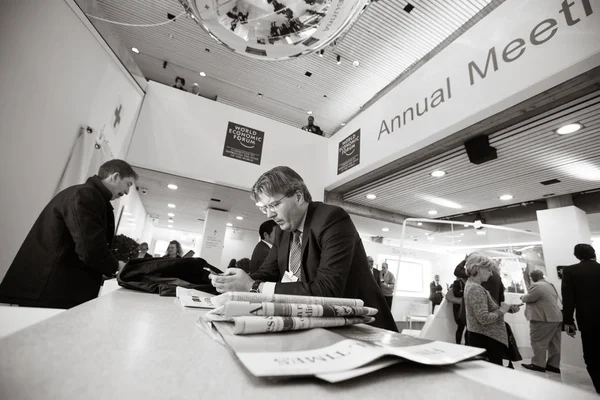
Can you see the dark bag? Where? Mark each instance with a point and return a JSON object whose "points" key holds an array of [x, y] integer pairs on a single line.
{"points": [[513, 353], [163, 275]]}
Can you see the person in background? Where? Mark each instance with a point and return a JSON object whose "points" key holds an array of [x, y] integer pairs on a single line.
{"points": [[388, 282], [458, 289], [243, 264], [63, 259], [174, 250], [195, 89], [316, 252], [311, 127], [376, 273], [179, 83], [232, 263], [144, 251], [485, 318], [545, 324], [580, 290], [262, 248], [435, 293]]}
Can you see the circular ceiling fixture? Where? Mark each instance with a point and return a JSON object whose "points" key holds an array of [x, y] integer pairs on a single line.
{"points": [[371, 196], [277, 29], [432, 212], [570, 128], [506, 197], [172, 186], [385, 229], [438, 173]]}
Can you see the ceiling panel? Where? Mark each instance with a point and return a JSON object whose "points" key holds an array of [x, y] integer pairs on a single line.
{"points": [[528, 153], [386, 40]]}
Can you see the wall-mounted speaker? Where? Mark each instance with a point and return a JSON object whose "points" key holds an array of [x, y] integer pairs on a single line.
{"points": [[479, 150]]}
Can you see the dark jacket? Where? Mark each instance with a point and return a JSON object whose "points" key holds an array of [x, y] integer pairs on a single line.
{"points": [[61, 262], [580, 288], [259, 255], [377, 276], [334, 262]]}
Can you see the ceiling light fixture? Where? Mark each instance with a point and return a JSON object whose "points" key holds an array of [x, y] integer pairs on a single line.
{"points": [[309, 112], [506, 197], [135, 50], [569, 128], [462, 234], [239, 217], [171, 205], [343, 124], [202, 73], [385, 229], [356, 63], [432, 212], [172, 186], [339, 60], [438, 173], [171, 215], [229, 224], [431, 238], [466, 225], [371, 196], [419, 224]]}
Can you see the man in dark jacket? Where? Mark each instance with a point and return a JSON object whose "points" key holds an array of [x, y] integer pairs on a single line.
{"points": [[61, 262], [262, 248], [317, 251], [580, 286]]}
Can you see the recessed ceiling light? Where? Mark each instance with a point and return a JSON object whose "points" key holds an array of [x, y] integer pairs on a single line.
{"points": [[356, 63], [481, 232], [135, 50], [506, 197], [258, 204], [438, 173], [239, 217], [462, 234], [309, 112], [385, 229], [171, 215], [171, 205], [466, 225], [229, 224], [371, 196], [570, 128], [432, 212], [343, 124], [430, 238], [203, 73], [170, 226], [419, 223], [172, 186]]}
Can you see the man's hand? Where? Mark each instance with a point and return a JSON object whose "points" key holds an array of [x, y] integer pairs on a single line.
{"points": [[571, 330], [234, 280]]}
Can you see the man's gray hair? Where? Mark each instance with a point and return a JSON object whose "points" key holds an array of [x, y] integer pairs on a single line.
{"points": [[476, 262], [536, 275], [280, 180]]}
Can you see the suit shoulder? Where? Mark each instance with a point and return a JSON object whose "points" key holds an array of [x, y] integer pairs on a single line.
{"points": [[328, 210]]}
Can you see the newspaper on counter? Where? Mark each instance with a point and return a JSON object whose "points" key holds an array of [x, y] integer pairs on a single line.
{"points": [[250, 325], [335, 354], [245, 308], [197, 299]]}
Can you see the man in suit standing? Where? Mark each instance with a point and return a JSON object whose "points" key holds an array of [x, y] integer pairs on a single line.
{"points": [[435, 293], [262, 248], [388, 282], [376, 273], [317, 251], [545, 324], [580, 288], [67, 251]]}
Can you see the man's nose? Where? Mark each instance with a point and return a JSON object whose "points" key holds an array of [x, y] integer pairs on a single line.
{"points": [[271, 213], [127, 190]]}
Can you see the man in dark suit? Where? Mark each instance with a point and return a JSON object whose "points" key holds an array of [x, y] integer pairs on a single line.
{"points": [[63, 258], [376, 273], [262, 248], [317, 251], [580, 288]]}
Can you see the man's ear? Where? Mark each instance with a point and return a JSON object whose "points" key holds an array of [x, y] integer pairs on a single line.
{"points": [[114, 177]]}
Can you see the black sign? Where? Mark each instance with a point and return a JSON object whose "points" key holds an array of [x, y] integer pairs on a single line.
{"points": [[243, 143], [349, 152]]}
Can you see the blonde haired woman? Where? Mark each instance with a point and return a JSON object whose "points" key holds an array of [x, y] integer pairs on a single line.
{"points": [[485, 318]]}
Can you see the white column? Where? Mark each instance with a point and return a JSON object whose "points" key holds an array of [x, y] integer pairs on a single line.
{"points": [[561, 229], [213, 237]]}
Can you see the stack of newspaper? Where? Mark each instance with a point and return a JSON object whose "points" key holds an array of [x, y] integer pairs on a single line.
{"points": [[261, 313]]}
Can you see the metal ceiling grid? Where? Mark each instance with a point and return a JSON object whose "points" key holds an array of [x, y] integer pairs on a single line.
{"points": [[528, 153], [386, 41]]}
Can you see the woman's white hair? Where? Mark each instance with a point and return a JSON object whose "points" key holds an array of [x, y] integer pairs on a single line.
{"points": [[477, 261]]}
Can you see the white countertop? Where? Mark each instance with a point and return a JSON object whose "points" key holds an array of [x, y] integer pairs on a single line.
{"points": [[132, 345]]}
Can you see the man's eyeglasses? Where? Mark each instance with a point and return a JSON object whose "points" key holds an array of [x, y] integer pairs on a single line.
{"points": [[272, 206]]}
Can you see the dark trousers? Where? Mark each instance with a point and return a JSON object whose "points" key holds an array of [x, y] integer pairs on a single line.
{"points": [[591, 354], [460, 324], [389, 299], [494, 350]]}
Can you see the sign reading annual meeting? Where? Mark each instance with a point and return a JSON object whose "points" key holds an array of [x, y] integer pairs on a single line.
{"points": [[349, 152], [243, 143]]}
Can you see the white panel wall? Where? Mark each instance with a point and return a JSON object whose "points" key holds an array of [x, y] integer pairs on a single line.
{"points": [[182, 134], [55, 75], [238, 244]]}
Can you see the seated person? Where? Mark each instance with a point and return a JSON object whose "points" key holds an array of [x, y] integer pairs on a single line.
{"points": [[262, 248], [317, 251], [174, 250]]}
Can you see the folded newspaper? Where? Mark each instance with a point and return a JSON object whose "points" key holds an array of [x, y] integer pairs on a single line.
{"points": [[335, 354]]}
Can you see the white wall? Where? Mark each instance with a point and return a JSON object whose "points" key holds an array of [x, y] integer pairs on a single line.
{"points": [[571, 51], [55, 76], [239, 243], [182, 134], [134, 218]]}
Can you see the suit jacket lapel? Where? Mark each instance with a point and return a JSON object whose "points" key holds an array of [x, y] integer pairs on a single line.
{"points": [[306, 233]]}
